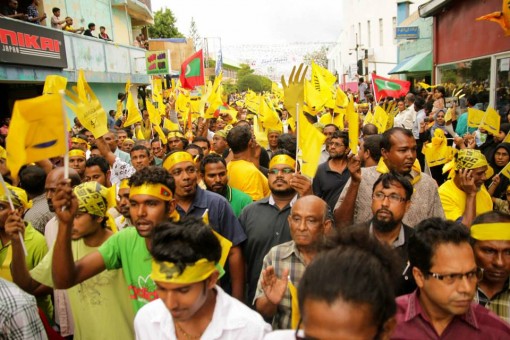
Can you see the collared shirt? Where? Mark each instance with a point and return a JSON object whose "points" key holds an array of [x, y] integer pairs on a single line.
{"points": [[237, 199], [265, 226], [477, 323], [420, 117], [245, 176], [121, 222], [400, 240], [425, 201], [324, 154], [328, 183], [499, 303], [231, 319], [19, 317], [283, 256], [406, 118], [39, 214]]}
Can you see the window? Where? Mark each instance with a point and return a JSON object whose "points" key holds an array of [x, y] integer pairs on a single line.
{"points": [[359, 34], [381, 33], [369, 40], [394, 29]]}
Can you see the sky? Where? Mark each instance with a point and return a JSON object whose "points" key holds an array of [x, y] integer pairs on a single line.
{"points": [[258, 22]]}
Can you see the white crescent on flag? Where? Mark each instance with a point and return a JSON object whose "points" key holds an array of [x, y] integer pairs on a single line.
{"points": [[188, 70]]}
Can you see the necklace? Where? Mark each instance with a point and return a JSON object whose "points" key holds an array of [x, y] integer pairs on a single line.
{"points": [[186, 335]]}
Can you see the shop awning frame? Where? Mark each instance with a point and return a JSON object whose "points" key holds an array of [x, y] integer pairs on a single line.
{"points": [[421, 62]]}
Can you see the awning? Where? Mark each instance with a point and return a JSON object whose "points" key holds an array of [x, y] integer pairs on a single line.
{"points": [[422, 62]]}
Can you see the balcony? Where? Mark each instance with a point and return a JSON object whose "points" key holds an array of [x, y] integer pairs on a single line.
{"points": [[140, 11]]}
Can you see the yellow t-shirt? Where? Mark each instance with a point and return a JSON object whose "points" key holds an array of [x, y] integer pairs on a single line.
{"points": [[454, 200], [244, 176], [100, 305]]}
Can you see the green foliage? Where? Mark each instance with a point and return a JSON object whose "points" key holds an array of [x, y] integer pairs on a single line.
{"points": [[244, 71], [164, 25], [319, 57], [254, 82]]}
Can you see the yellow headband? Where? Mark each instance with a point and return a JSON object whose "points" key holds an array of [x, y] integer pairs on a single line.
{"points": [[19, 197], [269, 131], [128, 140], [157, 190], [491, 231], [282, 159], [77, 153], [176, 158], [92, 198], [78, 140], [124, 184], [3, 153], [168, 272], [175, 134], [221, 133], [470, 159]]}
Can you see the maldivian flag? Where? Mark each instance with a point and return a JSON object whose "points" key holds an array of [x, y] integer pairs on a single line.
{"points": [[192, 71], [385, 87], [475, 117], [491, 121], [38, 131], [506, 171], [309, 143]]}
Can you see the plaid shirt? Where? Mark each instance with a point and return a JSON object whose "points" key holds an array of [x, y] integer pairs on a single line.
{"points": [[19, 318], [285, 255], [499, 304]]}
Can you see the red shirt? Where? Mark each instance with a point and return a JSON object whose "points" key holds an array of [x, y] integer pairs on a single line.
{"points": [[477, 323]]}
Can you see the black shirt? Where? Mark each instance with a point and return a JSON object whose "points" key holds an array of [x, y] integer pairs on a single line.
{"points": [[328, 184]]}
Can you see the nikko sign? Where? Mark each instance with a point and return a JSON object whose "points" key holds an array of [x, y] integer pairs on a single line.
{"points": [[29, 44]]}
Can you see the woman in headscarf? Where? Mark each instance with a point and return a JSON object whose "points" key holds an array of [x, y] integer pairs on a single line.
{"points": [[498, 161]]}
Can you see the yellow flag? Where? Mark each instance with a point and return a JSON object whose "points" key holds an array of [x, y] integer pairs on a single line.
{"points": [[323, 75], [252, 101], [37, 131], [341, 100], [215, 97], [120, 108], [380, 119], [338, 119], [353, 121], [369, 118], [507, 138], [310, 141], [53, 84], [182, 104], [437, 152], [133, 115], [295, 315], [506, 171], [87, 107], [278, 92], [268, 116], [157, 89], [314, 99], [155, 119], [491, 121], [260, 134], [139, 133], [170, 126], [427, 86], [475, 117]]}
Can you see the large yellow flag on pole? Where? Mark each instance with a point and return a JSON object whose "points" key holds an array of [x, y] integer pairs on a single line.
{"points": [[310, 141], [155, 119], [37, 131], [133, 115]]}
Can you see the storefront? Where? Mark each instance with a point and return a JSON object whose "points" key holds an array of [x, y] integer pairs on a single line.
{"points": [[474, 55]]}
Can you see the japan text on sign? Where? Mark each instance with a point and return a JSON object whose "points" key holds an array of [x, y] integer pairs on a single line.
{"points": [[158, 62], [409, 32], [27, 44]]}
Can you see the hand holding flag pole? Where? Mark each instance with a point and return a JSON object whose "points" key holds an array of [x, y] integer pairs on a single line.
{"points": [[8, 194]]}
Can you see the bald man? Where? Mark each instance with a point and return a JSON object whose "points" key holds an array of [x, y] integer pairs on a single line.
{"points": [[308, 222]]}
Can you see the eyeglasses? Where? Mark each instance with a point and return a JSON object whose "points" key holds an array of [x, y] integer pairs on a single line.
{"points": [[394, 198], [474, 275], [338, 145], [285, 171]]}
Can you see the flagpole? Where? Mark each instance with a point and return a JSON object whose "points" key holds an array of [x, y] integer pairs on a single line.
{"points": [[66, 134], [373, 89], [499, 173], [297, 137], [8, 194]]}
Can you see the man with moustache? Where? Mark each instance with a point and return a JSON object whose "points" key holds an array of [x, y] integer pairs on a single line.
{"points": [[124, 220]]}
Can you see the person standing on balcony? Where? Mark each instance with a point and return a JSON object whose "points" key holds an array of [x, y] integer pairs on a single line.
{"points": [[69, 26], [102, 34], [56, 23], [33, 13], [11, 11], [88, 32]]}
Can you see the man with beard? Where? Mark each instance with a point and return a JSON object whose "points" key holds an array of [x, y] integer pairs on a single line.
{"points": [[266, 221], [124, 220], [391, 198], [77, 159], [332, 175], [328, 131], [214, 172], [151, 202], [191, 200], [398, 150]]}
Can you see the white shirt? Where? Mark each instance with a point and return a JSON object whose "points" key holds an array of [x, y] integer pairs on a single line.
{"points": [[405, 118], [231, 320]]}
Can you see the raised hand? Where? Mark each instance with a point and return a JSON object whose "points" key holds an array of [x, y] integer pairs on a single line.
{"points": [[294, 89], [65, 203], [302, 184], [354, 167], [274, 287], [14, 225]]}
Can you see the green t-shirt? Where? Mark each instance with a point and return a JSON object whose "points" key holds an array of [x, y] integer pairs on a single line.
{"points": [[237, 199], [100, 306], [36, 250], [127, 250]]}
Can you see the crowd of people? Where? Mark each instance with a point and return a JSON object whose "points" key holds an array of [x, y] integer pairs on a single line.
{"points": [[203, 233]]}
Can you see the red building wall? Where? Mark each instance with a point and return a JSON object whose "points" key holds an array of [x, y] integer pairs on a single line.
{"points": [[458, 36]]}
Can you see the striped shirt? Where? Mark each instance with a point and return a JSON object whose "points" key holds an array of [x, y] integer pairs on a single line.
{"points": [[283, 256], [499, 303]]}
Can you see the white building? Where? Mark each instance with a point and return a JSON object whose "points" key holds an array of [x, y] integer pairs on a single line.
{"points": [[368, 33]]}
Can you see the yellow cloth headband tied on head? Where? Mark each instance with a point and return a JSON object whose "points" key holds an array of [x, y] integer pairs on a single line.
{"points": [[221, 133], [269, 131], [470, 159], [78, 140], [124, 184], [77, 153], [282, 159], [156, 190], [19, 197], [176, 158], [129, 140], [499, 231], [175, 134], [92, 198], [170, 273]]}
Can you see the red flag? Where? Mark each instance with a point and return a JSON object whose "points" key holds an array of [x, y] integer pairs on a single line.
{"points": [[192, 71], [385, 87]]}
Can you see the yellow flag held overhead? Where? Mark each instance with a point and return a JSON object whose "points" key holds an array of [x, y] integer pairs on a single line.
{"points": [[506, 171], [215, 97], [260, 134], [278, 92], [427, 86], [133, 115], [182, 104], [507, 138], [37, 131], [314, 99], [475, 117], [87, 107], [369, 118], [118, 111], [268, 116], [53, 84], [491, 121], [155, 119], [353, 121], [380, 119], [252, 101], [323, 75], [338, 119], [341, 100], [437, 152], [310, 141]]}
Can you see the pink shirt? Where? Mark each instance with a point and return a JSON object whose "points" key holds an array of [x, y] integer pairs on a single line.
{"points": [[477, 323]]}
